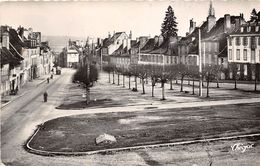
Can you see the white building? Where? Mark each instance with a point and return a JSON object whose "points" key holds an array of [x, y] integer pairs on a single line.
{"points": [[244, 50]]}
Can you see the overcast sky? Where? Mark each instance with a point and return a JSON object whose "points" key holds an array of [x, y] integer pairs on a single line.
{"points": [[97, 18]]}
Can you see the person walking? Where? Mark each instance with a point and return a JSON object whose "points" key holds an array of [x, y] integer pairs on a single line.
{"points": [[48, 80], [45, 96]]}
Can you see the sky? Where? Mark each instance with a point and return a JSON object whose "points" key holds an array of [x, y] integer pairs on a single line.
{"points": [[97, 18]]}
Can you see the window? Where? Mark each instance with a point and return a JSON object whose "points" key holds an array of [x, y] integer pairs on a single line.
{"points": [[245, 70], [257, 28], [253, 55], [238, 42], [245, 55], [238, 54], [253, 42], [230, 41], [245, 41], [248, 29], [230, 54]]}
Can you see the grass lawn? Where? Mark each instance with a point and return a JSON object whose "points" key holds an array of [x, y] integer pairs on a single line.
{"points": [[78, 133]]}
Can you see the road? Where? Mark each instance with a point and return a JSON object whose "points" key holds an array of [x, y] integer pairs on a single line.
{"points": [[19, 119]]}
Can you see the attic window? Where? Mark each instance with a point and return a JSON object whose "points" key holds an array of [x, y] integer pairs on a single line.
{"points": [[242, 29], [248, 29]]}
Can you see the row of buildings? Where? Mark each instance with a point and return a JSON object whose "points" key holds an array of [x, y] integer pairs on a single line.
{"points": [[24, 57], [229, 39]]}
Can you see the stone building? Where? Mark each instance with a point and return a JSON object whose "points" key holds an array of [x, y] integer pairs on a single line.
{"points": [[244, 50]]}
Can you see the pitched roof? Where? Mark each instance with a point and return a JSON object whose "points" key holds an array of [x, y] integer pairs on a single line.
{"points": [[8, 57], [149, 46], [108, 41]]}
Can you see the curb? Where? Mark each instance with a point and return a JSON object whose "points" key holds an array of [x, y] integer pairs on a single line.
{"points": [[14, 99], [111, 151]]}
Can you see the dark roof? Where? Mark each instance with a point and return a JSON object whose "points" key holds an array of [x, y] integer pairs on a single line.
{"points": [[245, 31], [108, 41], [120, 51], [8, 57], [149, 46]]}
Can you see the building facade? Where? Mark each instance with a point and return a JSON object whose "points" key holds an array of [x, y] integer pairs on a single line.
{"points": [[244, 50]]}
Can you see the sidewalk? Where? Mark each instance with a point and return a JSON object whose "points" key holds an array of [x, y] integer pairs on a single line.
{"points": [[5, 100]]}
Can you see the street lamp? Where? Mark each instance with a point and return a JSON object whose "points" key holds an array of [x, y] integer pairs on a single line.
{"points": [[200, 64]]}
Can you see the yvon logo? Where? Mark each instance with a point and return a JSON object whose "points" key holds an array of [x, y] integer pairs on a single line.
{"points": [[241, 147]]}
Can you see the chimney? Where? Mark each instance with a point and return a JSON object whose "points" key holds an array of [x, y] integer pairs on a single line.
{"points": [[237, 23], [130, 35], [156, 40], [160, 41], [241, 15], [192, 25], [109, 35], [227, 23], [5, 37]]}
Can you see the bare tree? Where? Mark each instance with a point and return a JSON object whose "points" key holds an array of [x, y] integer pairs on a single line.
{"points": [[234, 69], [153, 74], [254, 70], [210, 72], [142, 74], [172, 71], [135, 73], [162, 78], [183, 71], [193, 73], [108, 69]]}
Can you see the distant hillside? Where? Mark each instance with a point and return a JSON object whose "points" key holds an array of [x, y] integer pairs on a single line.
{"points": [[57, 43]]}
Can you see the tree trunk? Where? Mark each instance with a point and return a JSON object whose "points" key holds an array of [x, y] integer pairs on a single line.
{"points": [[163, 97], [118, 79], [153, 90], [140, 80], [109, 77], [256, 82], [113, 77], [217, 83], [176, 81], [182, 84], [171, 88], [235, 83], [146, 81], [188, 81], [207, 88], [87, 95], [143, 85], [129, 83], [123, 80], [135, 82], [193, 86]]}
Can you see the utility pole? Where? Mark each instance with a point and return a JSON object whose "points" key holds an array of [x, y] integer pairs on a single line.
{"points": [[200, 65], [101, 60]]}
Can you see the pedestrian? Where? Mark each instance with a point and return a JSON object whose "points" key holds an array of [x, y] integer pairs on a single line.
{"points": [[48, 80], [51, 76], [45, 96]]}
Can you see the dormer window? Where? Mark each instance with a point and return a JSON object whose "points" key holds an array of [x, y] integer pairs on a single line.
{"points": [[257, 28], [242, 29], [248, 29]]}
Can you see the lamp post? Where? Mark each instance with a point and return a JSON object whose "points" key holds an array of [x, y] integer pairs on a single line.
{"points": [[200, 65]]}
